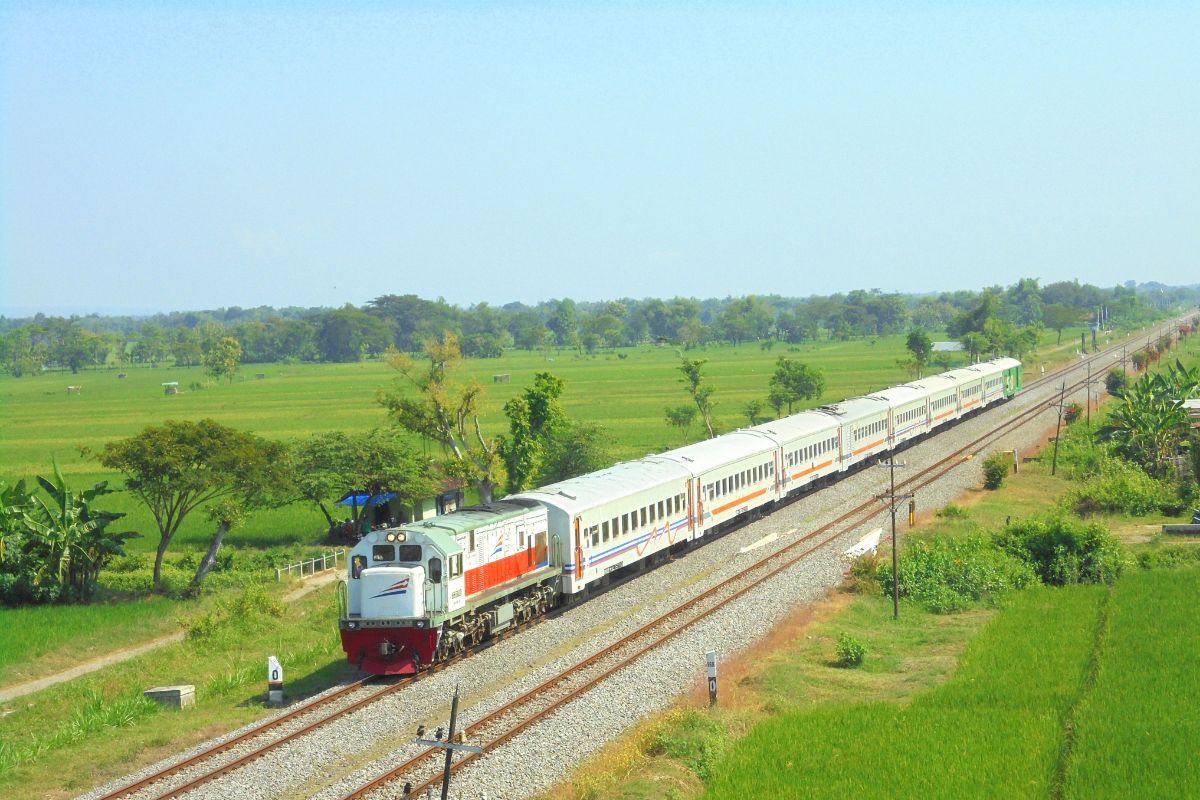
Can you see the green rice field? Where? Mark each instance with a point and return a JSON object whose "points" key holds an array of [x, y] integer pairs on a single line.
{"points": [[1138, 730], [994, 730]]}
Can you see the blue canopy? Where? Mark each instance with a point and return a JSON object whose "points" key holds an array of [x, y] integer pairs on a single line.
{"points": [[364, 499]]}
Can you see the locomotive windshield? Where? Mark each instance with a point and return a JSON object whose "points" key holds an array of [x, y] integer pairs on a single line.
{"points": [[409, 552], [388, 552]]}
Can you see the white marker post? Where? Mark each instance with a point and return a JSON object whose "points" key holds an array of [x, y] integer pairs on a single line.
{"points": [[274, 682], [710, 657]]}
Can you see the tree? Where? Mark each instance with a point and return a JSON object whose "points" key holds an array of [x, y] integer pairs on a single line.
{"points": [[1057, 317], [753, 409], [975, 343], [1150, 425], [920, 345], [793, 382], [681, 417], [179, 466], [534, 419], [701, 392], [325, 466], [221, 360], [441, 411], [576, 449], [54, 544]]}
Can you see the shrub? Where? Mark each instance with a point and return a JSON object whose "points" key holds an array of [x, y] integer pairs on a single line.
{"points": [[946, 575], [1139, 360], [953, 511], [692, 738], [1063, 550], [248, 609], [1072, 412], [850, 651], [1115, 382], [995, 469], [863, 577], [1119, 487]]}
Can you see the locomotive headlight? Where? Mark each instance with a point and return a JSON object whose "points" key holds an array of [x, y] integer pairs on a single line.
{"points": [[391, 537], [401, 536], [352, 625]]}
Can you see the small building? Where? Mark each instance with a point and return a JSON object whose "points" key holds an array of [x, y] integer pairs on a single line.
{"points": [[388, 509], [171, 387]]}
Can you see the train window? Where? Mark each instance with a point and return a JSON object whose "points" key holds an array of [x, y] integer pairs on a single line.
{"points": [[383, 552], [521, 539], [455, 565], [643, 516], [435, 570], [604, 531], [471, 541], [661, 512], [624, 523], [595, 532], [357, 565], [410, 553]]}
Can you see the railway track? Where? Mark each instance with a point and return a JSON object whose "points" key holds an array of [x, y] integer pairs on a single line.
{"points": [[423, 770]]}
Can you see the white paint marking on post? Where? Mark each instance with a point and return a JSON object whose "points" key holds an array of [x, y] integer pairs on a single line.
{"points": [[274, 681]]}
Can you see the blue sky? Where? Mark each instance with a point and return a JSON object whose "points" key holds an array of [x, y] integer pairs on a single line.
{"points": [[178, 156]]}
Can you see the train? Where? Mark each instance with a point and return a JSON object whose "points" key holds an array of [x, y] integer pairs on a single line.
{"points": [[419, 593]]}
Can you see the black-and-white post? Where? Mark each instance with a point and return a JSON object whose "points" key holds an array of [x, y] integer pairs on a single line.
{"points": [[893, 501], [274, 682], [448, 744]]}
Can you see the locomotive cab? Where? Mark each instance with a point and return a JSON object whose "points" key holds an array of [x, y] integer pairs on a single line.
{"points": [[401, 583]]}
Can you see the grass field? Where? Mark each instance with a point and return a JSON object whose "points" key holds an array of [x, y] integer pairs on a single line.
{"points": [[61, 742], [1136, 732], [41, 640], [994, 730]]}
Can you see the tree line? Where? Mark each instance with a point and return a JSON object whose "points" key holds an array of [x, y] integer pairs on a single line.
{"points": [[407, 322]]}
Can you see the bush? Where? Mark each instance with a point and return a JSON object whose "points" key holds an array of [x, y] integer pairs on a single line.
{"points": [[1072, 412], [995, 469], [953, 511], [850, 651], [863, 577], [946, 575], [1118, 487], [249, 609], [692, 738], [1115, 382], [1063, 550]]}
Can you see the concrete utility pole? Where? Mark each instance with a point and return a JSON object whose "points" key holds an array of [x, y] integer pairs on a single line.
{"points": [[1058, 428], [449, 745], [894, 500]]}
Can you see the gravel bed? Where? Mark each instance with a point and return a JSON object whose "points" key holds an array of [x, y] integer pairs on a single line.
{"points": [[348, 753]]}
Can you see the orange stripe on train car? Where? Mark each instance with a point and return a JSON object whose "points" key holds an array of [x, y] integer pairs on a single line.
{"points": [[869, 446], [945, 414], [804, 472], [730, 505]]}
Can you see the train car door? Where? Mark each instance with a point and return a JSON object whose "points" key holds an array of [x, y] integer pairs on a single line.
{"points": [[691, 505]]}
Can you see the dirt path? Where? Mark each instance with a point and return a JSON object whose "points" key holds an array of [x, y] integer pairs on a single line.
{"points": [[29, 687]]}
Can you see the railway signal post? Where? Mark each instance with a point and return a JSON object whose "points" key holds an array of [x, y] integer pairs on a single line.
{"points": [[894, 501], [449, 745]]}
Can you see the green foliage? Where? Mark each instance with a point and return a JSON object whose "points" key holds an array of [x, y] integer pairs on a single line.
{"points": [[863, 575], [692, 738], [326, 466], [179, 466], [1072, 412], [700, 391], [793, 382], [1115, 382], [949, 574], [576, 449], [222, 358], [535, 418], [681, 417], [1119, 487], [850, 651], [953, 511], [921, 346], [1063, 550], [1150, 425], [1168, 556], [995, 469], [53, 543]]}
